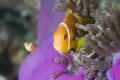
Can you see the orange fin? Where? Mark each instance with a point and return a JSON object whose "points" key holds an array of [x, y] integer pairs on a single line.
{"points": [[53, 28]]}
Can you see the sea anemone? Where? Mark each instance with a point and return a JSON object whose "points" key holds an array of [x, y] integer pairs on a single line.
{"points": [[95, 57], [103, 39], [81, 7], [39, 64], [102, 43]]}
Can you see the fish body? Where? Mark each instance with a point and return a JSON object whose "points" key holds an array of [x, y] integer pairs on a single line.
{"points": [[30, 46], [65, 35]]}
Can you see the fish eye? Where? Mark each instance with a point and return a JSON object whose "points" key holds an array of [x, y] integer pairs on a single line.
{"points": [[65, 36]]}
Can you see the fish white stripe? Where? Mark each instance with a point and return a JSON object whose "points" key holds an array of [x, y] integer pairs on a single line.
{"points": [[29, 45], [68, 34]]}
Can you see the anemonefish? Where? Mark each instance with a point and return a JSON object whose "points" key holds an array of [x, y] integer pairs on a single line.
{"points": [[30, 46], [65, 35]]}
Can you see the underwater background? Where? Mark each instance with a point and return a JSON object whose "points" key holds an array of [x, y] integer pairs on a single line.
{"points": [[18, 24]]}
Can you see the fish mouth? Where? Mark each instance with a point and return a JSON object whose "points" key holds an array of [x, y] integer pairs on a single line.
{"points": [[58, 47]]}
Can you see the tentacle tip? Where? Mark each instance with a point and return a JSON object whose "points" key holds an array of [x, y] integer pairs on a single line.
{"points": [[55, 60], [53, 9], [51, 77], [62, 53]]}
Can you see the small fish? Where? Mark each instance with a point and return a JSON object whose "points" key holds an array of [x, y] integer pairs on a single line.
{"points": [[65, 35], [30, 46]]}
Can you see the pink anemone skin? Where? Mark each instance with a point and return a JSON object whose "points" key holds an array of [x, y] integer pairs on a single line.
{"points": [[114, 72]]}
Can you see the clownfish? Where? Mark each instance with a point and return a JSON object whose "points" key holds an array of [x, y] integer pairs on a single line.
{"points": [[65, 36], [30, 46]]}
